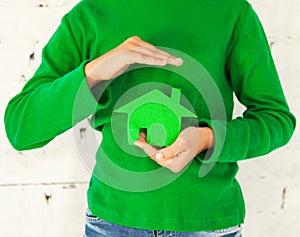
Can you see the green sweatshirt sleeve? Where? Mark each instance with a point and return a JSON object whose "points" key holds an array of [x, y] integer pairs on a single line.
{"points": [[267, 122], [55, 98]]}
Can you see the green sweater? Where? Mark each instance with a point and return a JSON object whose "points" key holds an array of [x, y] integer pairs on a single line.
{"points": [[127, 188]]}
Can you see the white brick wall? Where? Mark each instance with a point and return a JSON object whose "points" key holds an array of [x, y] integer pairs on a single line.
{"points": [[271, 184]]}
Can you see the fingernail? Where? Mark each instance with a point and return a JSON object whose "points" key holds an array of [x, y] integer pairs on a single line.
{"points": [[159, 156], [137, 143], [179, 61]]}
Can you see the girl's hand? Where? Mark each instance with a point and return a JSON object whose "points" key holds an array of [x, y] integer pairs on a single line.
{"points": [[190, 142], [131, 51]]}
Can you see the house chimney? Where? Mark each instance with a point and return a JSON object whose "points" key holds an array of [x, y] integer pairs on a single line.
{"points": [[175, 95]]}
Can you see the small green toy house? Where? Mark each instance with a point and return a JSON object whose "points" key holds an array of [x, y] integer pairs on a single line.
{"points": [[156, 114]]}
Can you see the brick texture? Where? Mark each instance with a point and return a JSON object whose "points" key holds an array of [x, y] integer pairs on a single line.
{"points": [[43, 192]]}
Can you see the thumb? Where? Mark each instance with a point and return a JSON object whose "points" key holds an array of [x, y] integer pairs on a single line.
{"points": [[148, 149], [169, 152]]}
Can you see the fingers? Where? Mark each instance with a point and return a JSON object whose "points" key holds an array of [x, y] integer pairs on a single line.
{"points": [[166, 153], [136, 57], [176, 156], [145, 53], [148, 149], [147, 58], [152, 152], [143, 137], [171, 151], [152, 51], [131, 51], [170, 157]]}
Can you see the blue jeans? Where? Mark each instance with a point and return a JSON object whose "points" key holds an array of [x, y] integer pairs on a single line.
{"points": [[96, 227]]}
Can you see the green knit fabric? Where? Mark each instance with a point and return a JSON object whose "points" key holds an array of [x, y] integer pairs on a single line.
{"points": [[227, 39]]}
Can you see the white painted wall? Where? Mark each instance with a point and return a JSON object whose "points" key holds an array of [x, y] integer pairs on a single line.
{"points": [[26, 178]]}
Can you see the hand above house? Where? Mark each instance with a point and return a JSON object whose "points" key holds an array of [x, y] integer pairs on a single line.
{"points": [[190, 142], [131, 51]]}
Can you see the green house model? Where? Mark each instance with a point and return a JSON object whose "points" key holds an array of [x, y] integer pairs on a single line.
{"points": [[158, 115]]}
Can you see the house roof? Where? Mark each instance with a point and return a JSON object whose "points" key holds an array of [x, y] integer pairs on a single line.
{"points": [[157, 97]]}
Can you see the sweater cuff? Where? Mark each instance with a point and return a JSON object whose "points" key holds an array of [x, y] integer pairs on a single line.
{"points": [[88, 101], [213, 154]]}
